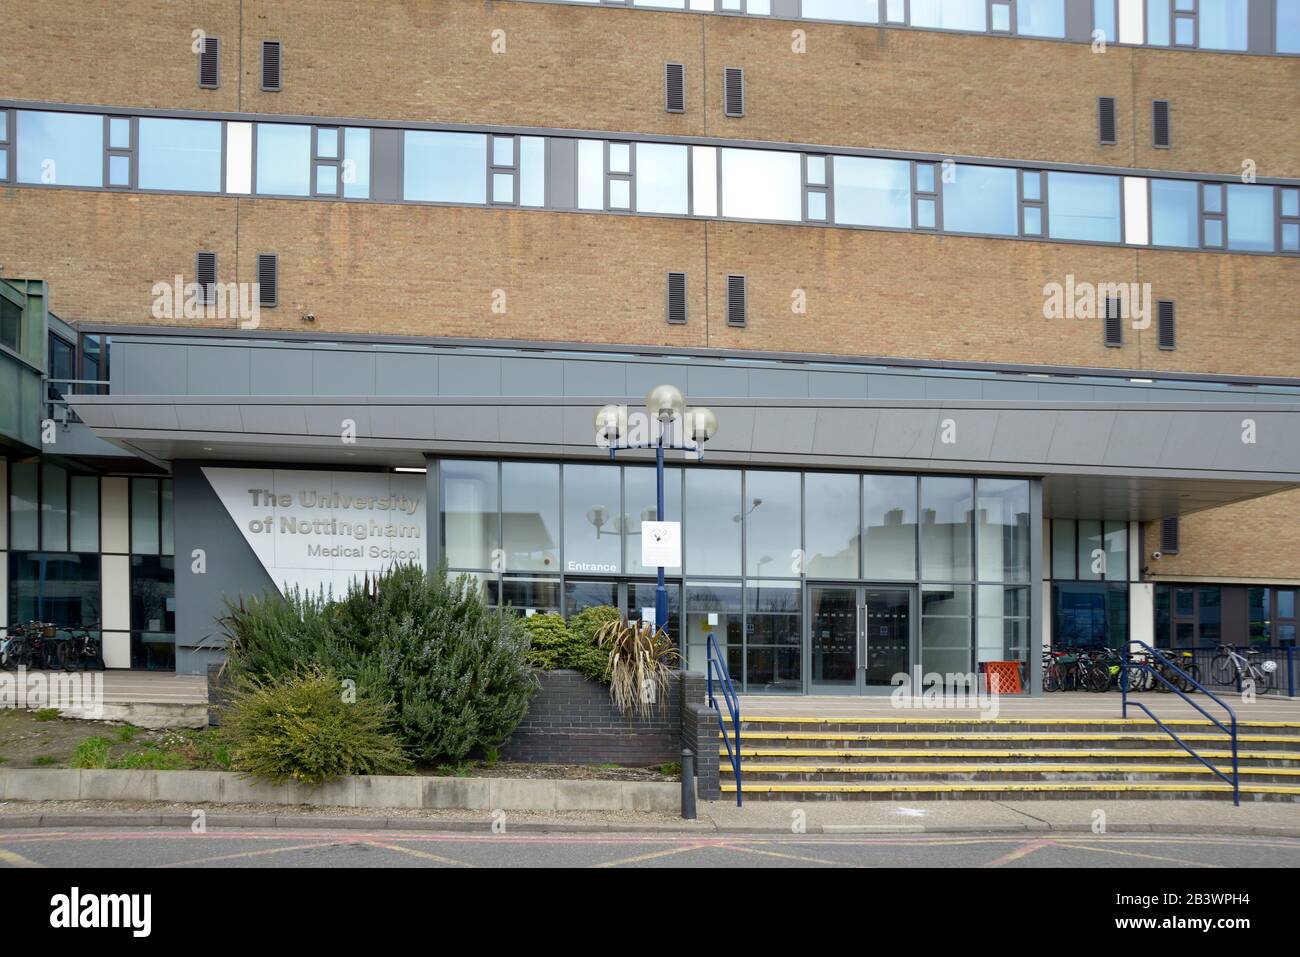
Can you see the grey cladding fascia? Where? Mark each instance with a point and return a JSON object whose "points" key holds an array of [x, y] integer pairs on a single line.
{"points": [[562, 173], [1078, 22], [1260, 26], [387, 164]]}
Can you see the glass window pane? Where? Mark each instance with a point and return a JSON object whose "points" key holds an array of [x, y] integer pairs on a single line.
{"points": [[1003, 624], [4, 125], [1103, 19], [713, 609], [592, 522], [153, 612], [1092, 555], [1184, 31], [4, 164], [63, 149], [1116, 544], [356, 163], [83, 510], [772, 524], [761, 184], [712, 527], [661, 178], [889, 523], [946, 505], [580, 595], [925, 177], [1031, 184], [1285, 603], [945, 629], [620, 194], [327, 180], [981, 199], [873, 192], [1040, 18], [144, 516], [817, 206], [1158, 22], [1223, 24], [1001, 22], [119, 171], [831, 533], [1212, 197], [119, 133], [503, 151], [1291, 237], [773, 637], [950, 14], [54, 508], [59, 587], [468, 512], [532, 171], [853, 11], [1214, 233], [1003, 533], [1173, 213], [530, 515], [445, 167], [531, 596], [503, 187], [283, 159], [620, 157], [1063, 548], [1288, 26], [640, 500], [1291, 202], [641, 606], [925, 214], [591, 174], [186, 154], [816, 166], [1033, 221], [1250, 218], [1083, 206], [24, 505], [327, 142]]}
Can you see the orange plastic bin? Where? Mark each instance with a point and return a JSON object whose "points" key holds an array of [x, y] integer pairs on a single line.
{"points": [[1007, 676]]}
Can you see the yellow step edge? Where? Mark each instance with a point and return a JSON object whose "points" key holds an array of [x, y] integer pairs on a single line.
{"points": [[1009, 786], [999, 736], [996, 768], [1147, 753], [975, 719]]}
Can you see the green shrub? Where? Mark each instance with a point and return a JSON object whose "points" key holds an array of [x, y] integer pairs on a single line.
{"points": [[549, 641], [91, 753], [588, 656], [454, 668], [303, 728]]}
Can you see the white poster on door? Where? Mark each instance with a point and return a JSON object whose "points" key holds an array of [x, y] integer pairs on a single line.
{"points": [[323, 530], [661, 544]]}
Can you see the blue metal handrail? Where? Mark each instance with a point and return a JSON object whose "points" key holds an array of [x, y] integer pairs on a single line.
{"points": [[733, 708], [1235, 780]]}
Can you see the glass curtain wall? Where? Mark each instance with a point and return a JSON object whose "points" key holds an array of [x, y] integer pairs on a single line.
{"points": [[544, 536]]}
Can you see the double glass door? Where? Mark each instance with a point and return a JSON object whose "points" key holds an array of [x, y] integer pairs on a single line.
{"points": [[860, 637]]}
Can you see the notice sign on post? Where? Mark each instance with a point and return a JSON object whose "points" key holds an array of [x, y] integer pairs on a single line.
{"points": [[661, 544]]}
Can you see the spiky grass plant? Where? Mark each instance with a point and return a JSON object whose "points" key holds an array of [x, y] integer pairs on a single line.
{"points": [[640, 660]]}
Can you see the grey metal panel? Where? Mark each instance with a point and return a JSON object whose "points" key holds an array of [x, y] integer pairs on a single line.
{"points": [[906, 433], [1022, 390], [1137, 438], [778, 383], [941, 389], [79, 440], [974, 430], [1022, 436], [1191, 441], [343, 373], [403, 421], [1064, 392], [159, 416], [535, 377], [331, 421], [718, 382], [845, 431], [152, 369], [533, 425], [386, 151], [735, 432], [644, 376], [274, 419], [578, 423], [785, 431], [836, 385], [1080, 437], [895, 386], [469, 375], [209, 418], [1078, 23], [562, 176], [786, 9], [218, 370], [597, 379], [406, 373], [1259, 26], [281, 372], [467, 423]]}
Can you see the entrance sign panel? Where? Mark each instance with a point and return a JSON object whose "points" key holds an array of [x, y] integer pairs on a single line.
{"points": [[323, 530]]}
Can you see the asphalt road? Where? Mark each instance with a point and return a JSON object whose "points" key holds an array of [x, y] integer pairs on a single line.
{"points": [[284, 847]]}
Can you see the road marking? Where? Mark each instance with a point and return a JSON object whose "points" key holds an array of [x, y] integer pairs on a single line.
{"points": [[17, 860], [791, 857], [651, 856], [241, 854], [1023, 851], [424, 855], [1149, 857]]}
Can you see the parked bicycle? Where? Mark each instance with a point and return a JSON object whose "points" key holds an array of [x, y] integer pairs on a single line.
{"points": [[1184, 677], [81, 649], [1231, 667], [29, 645]]}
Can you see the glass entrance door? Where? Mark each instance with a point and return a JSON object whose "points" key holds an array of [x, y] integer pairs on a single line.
{"points": [[860, 636]]}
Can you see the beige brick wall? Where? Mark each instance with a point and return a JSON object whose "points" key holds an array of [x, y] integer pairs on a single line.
{"points": [[572, 67], [1258, 540]]}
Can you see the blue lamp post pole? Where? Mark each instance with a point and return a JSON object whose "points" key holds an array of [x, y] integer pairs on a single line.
{"points": [[665, 405]]}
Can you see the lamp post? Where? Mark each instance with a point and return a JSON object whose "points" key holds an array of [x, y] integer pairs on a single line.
{"points": [[665, 406]]}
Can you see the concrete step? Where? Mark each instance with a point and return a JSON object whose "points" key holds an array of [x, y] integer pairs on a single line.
{"points": [[868, 757], [1017, 790], [937, 741], [758, 774]]}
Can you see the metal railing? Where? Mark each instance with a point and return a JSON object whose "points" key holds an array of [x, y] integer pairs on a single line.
{"points": [[1159, 674], [733, 709], [56, 402]]}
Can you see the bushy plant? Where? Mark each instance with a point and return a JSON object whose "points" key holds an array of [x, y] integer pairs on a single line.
{"points": [[454, 668], [640, 660], [587, 655], [306, 728], [549, 641]]}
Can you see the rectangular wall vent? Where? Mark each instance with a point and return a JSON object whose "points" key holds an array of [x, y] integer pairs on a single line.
{"points": [[268, 279], [1169, 536], [674, 88], [271, 59], [737, 307], [734, 84], [1114, 323], [205, 274], [677, 297], [210, 63], [1160, 124], [1165, 323], [1106, 120]]}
